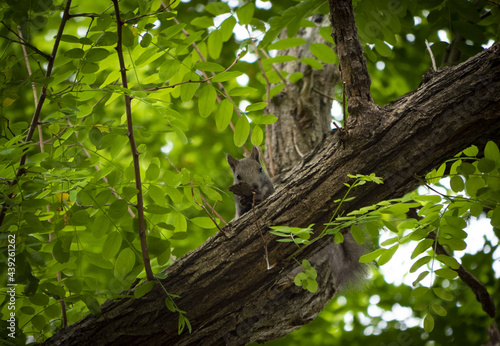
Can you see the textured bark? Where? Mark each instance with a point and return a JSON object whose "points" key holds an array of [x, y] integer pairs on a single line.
{"points": [[303, 108], [229, 296]]}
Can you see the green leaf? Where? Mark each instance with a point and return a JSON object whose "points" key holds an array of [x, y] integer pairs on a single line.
{"points": [[203, 222], [438, 309], [207, 100], [386, 256], [420, 262], [495, 217], [92, 304], [124, 263], [323, 53], [245, 13], [457, 183], [107, 39], [491, 152], [473, 184], [256, 106], [203, 22], [471, 151], [428, 323], [217, 8], [257, 135], [75, 53], [357, 234], [61, 252], [118, 209], [225, 76], [209, 66], [144, 289], [146, 40], [421, 247], [215, 44], [449, 261], [287, 43], [382, 48], [97, 54], [485, 165], [420, 277], [241, 131], [189, 89], [446, 273], [466, 168], [419, 291], [111, 245], [372, 255], [153, 172], [127, 36], [315, 64], [95, 136], [227, 27], [443, 293], [338, 238], [168, 69], [90, 67], [224, 114]]}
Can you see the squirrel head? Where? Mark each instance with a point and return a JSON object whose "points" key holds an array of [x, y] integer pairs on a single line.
{"points": [[248, 170]]}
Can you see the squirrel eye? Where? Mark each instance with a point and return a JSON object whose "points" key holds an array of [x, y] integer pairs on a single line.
{"points": [[238, 177], [260, 169]]}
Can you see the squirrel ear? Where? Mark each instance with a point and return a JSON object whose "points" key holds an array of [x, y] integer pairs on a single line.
{"points": [[232, 161], [255, 153]]}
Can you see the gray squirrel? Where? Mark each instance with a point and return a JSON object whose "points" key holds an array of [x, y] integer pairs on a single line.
{"points": [[249, 180]]}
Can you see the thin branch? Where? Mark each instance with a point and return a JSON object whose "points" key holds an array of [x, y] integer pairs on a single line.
{"points": [[23, 42], [470, 280], [135, 152]]}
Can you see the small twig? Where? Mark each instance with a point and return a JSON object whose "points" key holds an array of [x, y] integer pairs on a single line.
{"points": [[260, 232], [33, 86], [431, 55], [23, 42]]}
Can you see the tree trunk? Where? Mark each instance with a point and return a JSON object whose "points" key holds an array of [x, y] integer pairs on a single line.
{"points": [[303, 108], [228, 294]]}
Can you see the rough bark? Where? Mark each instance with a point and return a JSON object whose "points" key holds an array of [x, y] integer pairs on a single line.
{"points": [[303, 108], [229, 296]]}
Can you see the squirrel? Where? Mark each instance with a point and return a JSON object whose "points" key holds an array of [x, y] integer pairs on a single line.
{"points": [[251, 183]]}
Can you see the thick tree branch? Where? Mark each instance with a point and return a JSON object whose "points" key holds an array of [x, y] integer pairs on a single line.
{"points": [[224, 287], [133, 147]]}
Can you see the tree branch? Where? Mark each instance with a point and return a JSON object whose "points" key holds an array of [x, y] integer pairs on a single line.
{"points": [[133, 147]]}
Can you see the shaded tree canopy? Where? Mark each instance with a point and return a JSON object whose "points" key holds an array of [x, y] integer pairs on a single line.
{"points": [[115, 205]]}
